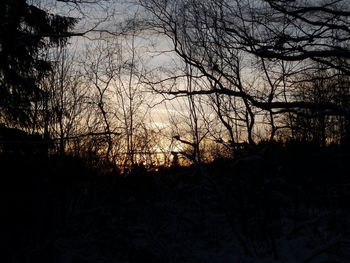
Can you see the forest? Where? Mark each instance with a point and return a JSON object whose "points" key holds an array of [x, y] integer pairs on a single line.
{"points": [[175, 131]]}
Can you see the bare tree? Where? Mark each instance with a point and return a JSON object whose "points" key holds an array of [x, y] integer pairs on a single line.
{"points": [[58, 113], [131, 97], [278, 38], [99, 71]]}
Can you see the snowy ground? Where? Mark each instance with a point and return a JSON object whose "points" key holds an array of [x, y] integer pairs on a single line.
{"points": [[243, 212]]}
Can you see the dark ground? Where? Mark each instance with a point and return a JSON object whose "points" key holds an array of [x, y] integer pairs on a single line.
{"points": [[272, 205]]}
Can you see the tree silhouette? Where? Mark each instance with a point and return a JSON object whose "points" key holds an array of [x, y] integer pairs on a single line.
{"points": [[25, 30], [254, 51]]}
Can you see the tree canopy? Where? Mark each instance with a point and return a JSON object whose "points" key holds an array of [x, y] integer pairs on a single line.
{"points": [[25, 30]]}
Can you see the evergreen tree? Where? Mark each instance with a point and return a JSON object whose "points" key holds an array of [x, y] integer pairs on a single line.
{"points": [[25, 30]]}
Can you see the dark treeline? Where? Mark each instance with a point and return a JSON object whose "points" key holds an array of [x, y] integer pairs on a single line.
{"points": [[287, 203], [251, 164]]}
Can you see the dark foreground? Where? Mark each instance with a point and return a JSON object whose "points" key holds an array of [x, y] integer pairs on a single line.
{"points": [[276, 205]]}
